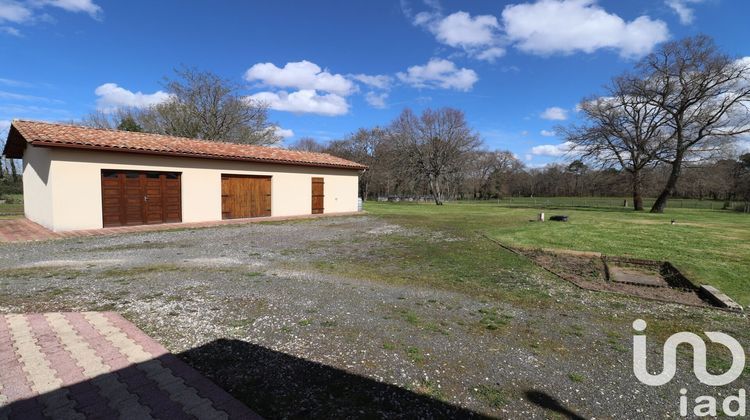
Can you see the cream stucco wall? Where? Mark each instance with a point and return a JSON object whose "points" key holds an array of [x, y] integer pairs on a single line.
{"points": [[75, 191], [37, 189]]}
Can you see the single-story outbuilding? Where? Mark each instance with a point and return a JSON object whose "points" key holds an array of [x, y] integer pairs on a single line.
{"points": [[86, 178]]}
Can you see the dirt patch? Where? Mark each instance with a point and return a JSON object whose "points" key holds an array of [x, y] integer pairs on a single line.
{"points": [[626, 277]]}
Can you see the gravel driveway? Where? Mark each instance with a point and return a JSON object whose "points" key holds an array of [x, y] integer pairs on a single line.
{"points": [[253, 308]]}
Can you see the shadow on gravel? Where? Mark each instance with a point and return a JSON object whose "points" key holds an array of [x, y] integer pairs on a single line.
{"points": [[272, 384], [277, 385], [548, 402]]}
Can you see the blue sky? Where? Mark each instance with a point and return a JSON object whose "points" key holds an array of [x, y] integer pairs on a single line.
{"points": [[516, 68]]}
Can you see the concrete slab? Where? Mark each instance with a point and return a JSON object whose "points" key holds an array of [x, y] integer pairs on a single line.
{"points": [[636, 276], [719, 298]]}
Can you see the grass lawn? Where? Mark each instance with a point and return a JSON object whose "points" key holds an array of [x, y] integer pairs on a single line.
{"points": [[13, 207], [606, 202], [711, 247]]}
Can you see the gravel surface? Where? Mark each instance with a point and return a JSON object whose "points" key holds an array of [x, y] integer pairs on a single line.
{"points": [[247, 306]]}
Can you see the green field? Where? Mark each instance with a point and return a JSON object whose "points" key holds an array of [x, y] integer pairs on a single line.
{"points": [[13, 206], [709, 246]]}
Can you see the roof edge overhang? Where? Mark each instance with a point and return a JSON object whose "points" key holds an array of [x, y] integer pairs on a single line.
{"points": [[38, 143], [15, 144]]}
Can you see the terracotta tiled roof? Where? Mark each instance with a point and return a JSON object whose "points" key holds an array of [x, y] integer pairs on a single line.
{"points": [[62, 135]]}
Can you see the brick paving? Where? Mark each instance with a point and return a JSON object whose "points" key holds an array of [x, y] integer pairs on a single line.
{"points": [[24, 230], [99, 365]]}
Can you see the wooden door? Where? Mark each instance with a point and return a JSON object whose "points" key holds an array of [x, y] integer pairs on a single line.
{"points": [[153, 197], [172, 197], [318, 195], [260, 200], [113, 204], [245, 196], [133, 199], [136, 198]]}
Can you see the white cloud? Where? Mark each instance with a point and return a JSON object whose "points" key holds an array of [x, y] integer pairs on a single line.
{"points": [[4, 126], [12, 11], [302, 75], [683, 10], [479, 36], [439, 73], [377, 100], [284, 133], [567, 26], [554, 113], [29, 12], [15, 83], [28, 98], [743, 62], [490, 54], [462, 30], [9, 30], [17, 12], [85, 6], [380, 81], [547, 133], [112, 96], [304, 101], [552, 150]]}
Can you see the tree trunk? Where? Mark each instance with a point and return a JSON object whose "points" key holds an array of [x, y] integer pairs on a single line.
{"points": [[13, 170], [637, 196], [661, 201], [437, 193]]}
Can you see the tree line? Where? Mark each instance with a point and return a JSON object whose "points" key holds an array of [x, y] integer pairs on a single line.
{"points": [[492, 174], [666, 128]]}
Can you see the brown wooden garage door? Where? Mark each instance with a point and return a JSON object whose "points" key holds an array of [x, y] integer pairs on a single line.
{"points": [[318, 195], [245, 196], [139, 198]]}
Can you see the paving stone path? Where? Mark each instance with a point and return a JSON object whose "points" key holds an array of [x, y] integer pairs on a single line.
{"points": [[22, 229], [82, 365]]}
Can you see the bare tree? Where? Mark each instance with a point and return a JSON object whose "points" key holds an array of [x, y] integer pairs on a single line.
{"points": [[363, 147], [202, 105], [622, 129], [486, 172], [578, 169], [101, 119], [308, 144], [435, 146], [705, 95]]}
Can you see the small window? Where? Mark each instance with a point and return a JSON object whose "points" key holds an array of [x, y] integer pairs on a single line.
{"points": [[173, 175], [152, 175], [109, 174], [132, 175]]}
